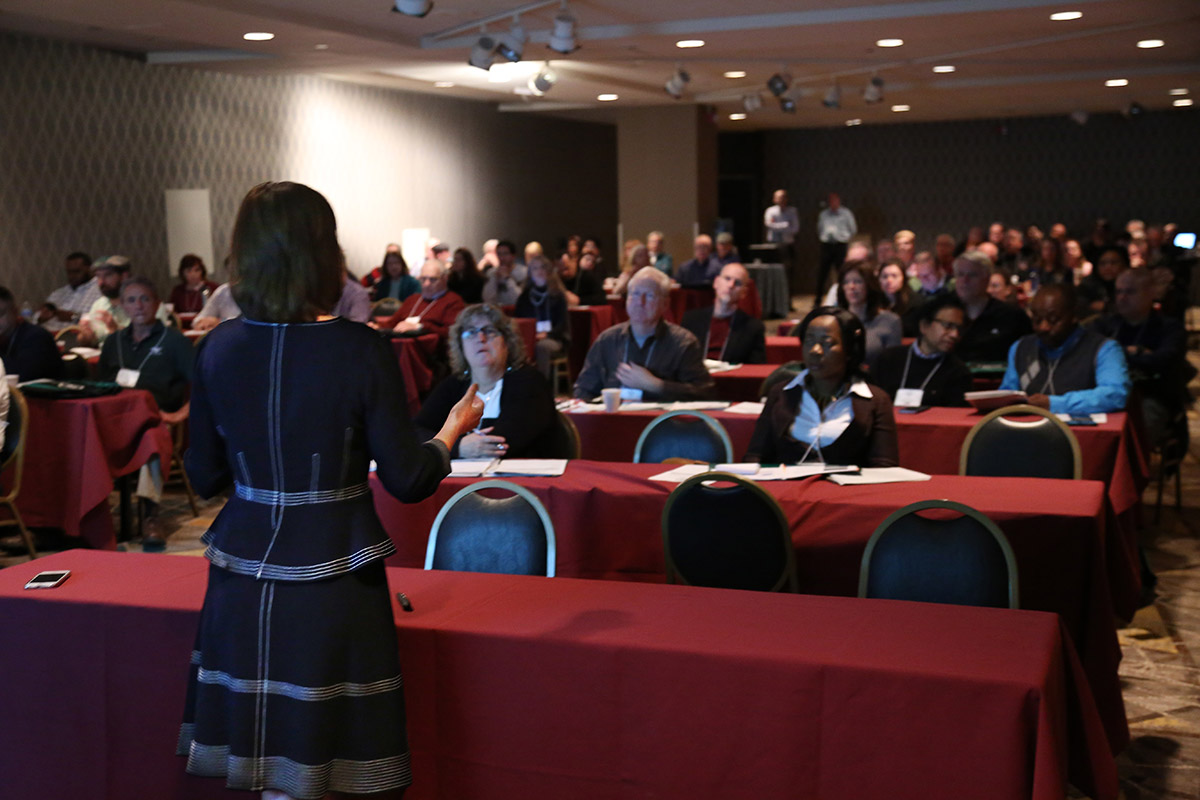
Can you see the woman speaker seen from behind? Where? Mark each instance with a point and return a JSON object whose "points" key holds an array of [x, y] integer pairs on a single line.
{"points": [[295, 687]]}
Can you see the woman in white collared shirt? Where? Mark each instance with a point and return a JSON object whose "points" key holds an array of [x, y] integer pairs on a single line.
{"points": [[828, 413]]}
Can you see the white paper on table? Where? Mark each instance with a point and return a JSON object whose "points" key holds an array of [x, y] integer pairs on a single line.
{"points": [[371, 468], [714, 366], [86, 352], [748, 408], [545, 467], [471, 467], [792, 472], [578, 407], [681, 473], [639, 406], [743, 468], [1099, 419], [873, 475], [697, 405]]}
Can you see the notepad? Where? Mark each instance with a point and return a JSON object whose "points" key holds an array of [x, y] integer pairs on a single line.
{"points": [[872, 475], [507, 467]]}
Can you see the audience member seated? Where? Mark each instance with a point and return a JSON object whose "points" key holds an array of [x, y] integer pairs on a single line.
{"points": [[106, 315], [726, 252], [194, 287], [503, 284], [220, 307], [1063, 367], [647, 357], [1073, 260], [1050, 266], [904, 244], [545, 300], [354, 303], [377, 272], [67, 304], [518, 406], [726, 332], [702, 267], [859, 292], [898, 296], [394, 279], [581, 281], [659, 258], [828, 413], [148, 355], [1014, 255], [943, 255], [992, 325], [465, 279], [927, 373], [928, 280], [27, 350], [1155, 351], [1001, 287], [1097, 292], [488, 261], [433, 310], [639, 256]]}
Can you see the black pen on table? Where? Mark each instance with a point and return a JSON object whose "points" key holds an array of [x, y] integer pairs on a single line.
{"points": [[405, 603]]}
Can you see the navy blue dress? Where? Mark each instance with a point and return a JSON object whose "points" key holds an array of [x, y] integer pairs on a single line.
{"points": [[295, 681]]}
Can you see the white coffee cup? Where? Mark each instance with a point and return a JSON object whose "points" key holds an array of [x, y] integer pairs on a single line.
{"points": [[13, 380], [612, 399]]}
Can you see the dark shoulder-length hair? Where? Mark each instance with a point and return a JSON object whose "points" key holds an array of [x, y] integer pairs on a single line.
{"points": [[189, 261], [493, 315], [854, 336], [404, 270], [875, 296], [468, 258], [285, 258]]}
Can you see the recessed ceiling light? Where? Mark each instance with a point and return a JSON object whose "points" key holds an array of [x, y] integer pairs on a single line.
{"points": [[1177, 92], [1183, 102], [735, 73], [320, 47], [1063, 16], [889, 43], [901, 107], [607, 98], [1148, 44], [686, 43], [443, 84], [1116, 82], [737, 116], [944, 68], [259, 36], [850, 123]]}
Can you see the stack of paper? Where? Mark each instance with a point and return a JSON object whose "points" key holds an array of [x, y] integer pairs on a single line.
{"points": [[484, 467], [714, 366], [873, 475], [783, 472], [753, 409]]}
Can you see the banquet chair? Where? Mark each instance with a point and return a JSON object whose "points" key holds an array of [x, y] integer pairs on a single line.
{"points": [[67, 338], [727, 536], [177, 421], [12, 457], [1000, 447], [509, 536], [782, 374], [385, 307], [564, 441], [683, 434]]}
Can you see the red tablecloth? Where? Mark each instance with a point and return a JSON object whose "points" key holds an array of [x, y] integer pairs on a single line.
{"points": [[742, 383], [782, 349], [414, 354], [76, 448], [607, 525], [527, 330], [524, 687], [613, 437], [586, 322]]}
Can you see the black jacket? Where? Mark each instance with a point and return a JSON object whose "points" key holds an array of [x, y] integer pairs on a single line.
{"points": [[747, 343]]}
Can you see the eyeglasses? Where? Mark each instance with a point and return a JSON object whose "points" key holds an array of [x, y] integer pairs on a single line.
{"points": [[488, 332], [950, 326]]}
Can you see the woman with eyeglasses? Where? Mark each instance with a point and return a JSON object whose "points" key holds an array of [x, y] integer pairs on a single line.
{"points": [[927, 373], [518, 406]]}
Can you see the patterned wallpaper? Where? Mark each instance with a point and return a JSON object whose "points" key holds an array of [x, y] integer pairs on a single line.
{"points": [[945, 177], [89, 141]]}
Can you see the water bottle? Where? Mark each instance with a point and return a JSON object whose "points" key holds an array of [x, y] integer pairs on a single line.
{"points": [[27, 312]]}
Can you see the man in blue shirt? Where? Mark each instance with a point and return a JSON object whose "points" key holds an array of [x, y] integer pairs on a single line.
{"points": [[1063, 367], [701, 270]]}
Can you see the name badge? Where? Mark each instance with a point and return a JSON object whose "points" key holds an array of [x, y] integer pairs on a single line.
{"points": [[632, 395], [413, 320], [543, 326], [909, 398], [128, 378]]}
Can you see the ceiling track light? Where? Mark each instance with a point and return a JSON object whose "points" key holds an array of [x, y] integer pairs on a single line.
{"points": [[677, 82], [483, 53], [787, 104], [833, 97], [413, 8], [562, 40], [752, 102], [544, 81], [511, 45], [779, 83], [873, 92]]}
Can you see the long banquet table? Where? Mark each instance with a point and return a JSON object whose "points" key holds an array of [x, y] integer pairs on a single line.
{"points": [[523, 687], [75, 450], [607, 520]]}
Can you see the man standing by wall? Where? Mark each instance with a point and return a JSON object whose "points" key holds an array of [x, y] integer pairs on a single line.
{"points": [[782, 223], [836, 226]]}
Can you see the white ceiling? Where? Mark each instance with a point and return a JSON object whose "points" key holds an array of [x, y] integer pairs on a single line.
{"points": [[1011, 59]]}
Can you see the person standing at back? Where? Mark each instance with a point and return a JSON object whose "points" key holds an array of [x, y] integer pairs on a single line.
{"points": [[836, 226]]}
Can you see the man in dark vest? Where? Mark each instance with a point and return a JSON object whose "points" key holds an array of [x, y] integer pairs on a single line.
{"points": [[1063, 367]]}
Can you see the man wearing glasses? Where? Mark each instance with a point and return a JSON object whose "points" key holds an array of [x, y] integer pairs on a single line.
{"points": [[647, 358], [927, 373]]}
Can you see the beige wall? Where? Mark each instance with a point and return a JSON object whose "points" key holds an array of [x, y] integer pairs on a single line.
{"points": [[666, 173]]}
